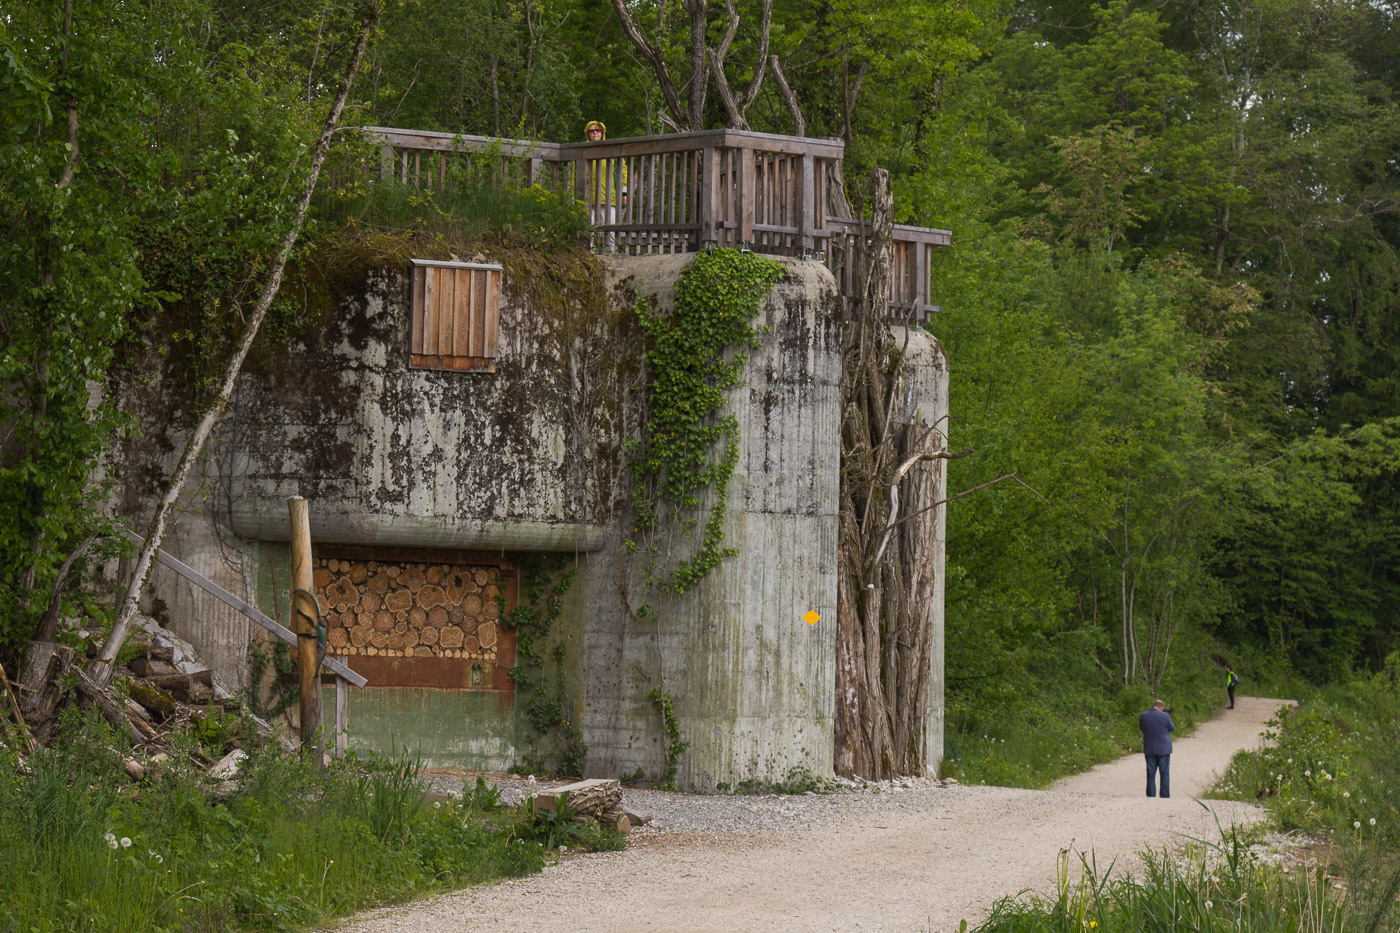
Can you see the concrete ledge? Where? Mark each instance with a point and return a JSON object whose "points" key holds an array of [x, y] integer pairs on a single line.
{"points": [[266, 520]]}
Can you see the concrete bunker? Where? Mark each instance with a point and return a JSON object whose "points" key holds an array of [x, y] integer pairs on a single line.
{"points": [[430, 490]]}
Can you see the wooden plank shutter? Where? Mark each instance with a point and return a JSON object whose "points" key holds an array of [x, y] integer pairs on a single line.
{"points": [[455, 316]]}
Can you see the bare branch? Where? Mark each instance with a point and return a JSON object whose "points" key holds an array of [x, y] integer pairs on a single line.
{"points": [[799, 125], [48, 623], [699, 65], [675, 116], [968, 492], [761, 60]]}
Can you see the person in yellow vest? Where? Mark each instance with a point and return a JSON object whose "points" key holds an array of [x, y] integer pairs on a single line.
{"points": [[605, 188], [1231, 681]]}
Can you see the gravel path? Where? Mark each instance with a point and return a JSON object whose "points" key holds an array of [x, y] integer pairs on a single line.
{"points": [[912, 855]]}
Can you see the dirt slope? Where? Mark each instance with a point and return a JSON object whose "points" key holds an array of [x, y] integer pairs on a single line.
{"points": [[920, 860]]}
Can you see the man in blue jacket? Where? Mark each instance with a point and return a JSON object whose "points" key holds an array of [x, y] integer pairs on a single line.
{"points": [[1156, 725]]}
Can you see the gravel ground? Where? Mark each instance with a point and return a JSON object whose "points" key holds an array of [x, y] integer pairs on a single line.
{"points": [[911, 855]]}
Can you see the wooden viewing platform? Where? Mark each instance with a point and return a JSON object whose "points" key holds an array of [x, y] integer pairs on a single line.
{"points": [[689, 191]]}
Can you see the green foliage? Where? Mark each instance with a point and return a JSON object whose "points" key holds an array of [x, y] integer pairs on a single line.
{"points": [[1334, 775], [282, 695], [472, 206], [559, 828], [481, 796], [290, 847], [671, 732], [1218, 887], [188, 131], [547, 707], [1069, 719], [217, 731]]}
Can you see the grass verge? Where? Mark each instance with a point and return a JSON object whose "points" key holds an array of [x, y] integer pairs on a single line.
{"points": [[84, 850]]}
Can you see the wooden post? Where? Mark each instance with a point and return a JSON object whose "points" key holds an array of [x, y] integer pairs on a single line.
{"points": [[807, 203], [709, 197], [386, 163], [748, 191], [308, 662], [342, 716]]}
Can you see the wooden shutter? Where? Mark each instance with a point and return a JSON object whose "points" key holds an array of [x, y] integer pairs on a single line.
{"points": [[456, 316]]}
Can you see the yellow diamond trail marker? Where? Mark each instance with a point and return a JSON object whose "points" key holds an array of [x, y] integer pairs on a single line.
{"points": [[811, 618]]}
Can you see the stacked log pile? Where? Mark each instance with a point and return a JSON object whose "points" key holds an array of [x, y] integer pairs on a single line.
{"points": [[408, 610]]}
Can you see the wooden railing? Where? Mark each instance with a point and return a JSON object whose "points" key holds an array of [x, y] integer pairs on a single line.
{"points": [[683, 192]]}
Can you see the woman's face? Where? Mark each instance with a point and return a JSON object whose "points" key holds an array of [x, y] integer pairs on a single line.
{"points": [[594, 134]]}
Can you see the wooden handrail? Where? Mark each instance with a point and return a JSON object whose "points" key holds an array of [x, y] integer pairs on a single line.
{"points": [[686, 191], [272, 625]]}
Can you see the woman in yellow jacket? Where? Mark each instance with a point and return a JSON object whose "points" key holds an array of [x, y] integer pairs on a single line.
{"points": [[605, 187]]}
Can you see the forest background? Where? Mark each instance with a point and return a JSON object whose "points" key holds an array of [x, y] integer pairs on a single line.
{"points": [[1172, 303]]}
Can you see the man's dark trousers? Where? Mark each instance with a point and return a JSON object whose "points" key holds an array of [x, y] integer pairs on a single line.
{"points": [[1154, 764]]}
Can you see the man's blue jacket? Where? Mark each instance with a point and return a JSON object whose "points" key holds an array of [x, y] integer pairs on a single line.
{"points": [[1156, 726]]}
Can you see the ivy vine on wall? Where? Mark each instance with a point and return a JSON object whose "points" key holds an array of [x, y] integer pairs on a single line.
{"points": [[547, 709], [682, 465]]}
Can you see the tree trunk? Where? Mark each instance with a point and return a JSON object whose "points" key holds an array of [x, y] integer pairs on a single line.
{"points": [[888, 525]]}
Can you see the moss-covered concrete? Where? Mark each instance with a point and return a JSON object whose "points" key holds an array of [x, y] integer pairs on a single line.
{"points": [[445, 728]]}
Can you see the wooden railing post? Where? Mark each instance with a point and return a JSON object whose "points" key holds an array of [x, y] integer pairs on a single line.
{"points": [[807, 204], [709, 197], [303, 614], [342, 716], [748, 189], [386, 163], [921, 276]]}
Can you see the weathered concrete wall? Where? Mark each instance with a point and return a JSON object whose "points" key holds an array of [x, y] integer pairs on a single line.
{"points": [[752, 682], [520, 459], [529, 459]]}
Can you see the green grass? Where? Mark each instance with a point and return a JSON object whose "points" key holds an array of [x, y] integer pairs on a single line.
{"points": [[464, 213], [1333, 777], [86, 851], [1215, 887]]}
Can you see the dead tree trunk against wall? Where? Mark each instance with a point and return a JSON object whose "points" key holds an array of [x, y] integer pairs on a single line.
{"points": [[885, 568]]}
